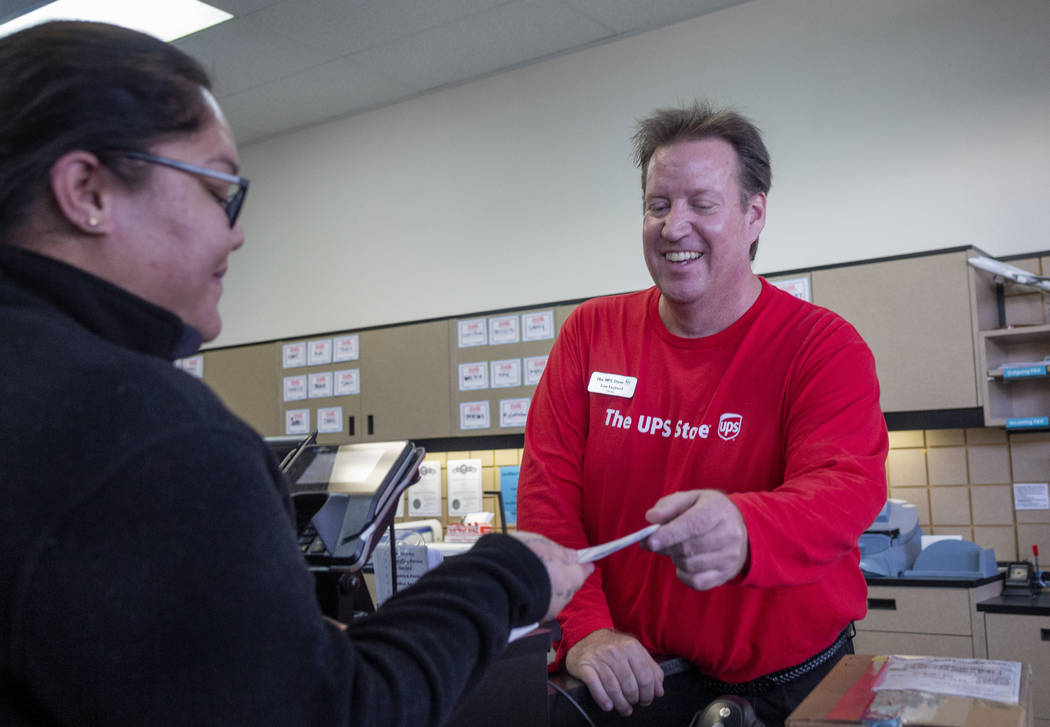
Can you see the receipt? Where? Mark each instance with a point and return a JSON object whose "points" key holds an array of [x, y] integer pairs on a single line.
{"points": [[589, 555]]}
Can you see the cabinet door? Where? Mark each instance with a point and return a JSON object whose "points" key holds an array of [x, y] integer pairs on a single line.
{"points": [[246, 380], [405, 382], [921, 610], [904, 643], [1013, 637], [915, 315]]}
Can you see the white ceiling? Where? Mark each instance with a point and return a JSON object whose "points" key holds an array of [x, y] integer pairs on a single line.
{"points": [[281, 65]]}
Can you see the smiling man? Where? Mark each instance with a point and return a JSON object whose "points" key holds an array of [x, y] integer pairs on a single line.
{"points": [[744, 421]]}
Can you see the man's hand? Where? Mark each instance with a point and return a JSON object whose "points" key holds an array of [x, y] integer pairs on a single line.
{"points": [[565, 573], [704, 534], [617, 670]]}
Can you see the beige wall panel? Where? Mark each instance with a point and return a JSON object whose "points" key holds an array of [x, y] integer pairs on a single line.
{"points": [[989, 465], [904, 438], [1033, 517], [1003, 540], [1031, 264], [918, 496], [928, 301], [505, 457], [950, 505], [247, 380], [992, 505], [906, 467], [986, 435], [947, 465], [485, 455], [891, 642], [1030, 457], [945, 437], [405, 381], [964, 533], [561, 313], [1027, 309]]}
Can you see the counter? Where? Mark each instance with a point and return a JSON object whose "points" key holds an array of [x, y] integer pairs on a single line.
{"points": [[935, 582], [1018, 629], [1038, 605], [926, 616]]}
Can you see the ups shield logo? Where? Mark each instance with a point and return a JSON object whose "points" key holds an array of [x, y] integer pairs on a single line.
{"points": [[729, 426]]}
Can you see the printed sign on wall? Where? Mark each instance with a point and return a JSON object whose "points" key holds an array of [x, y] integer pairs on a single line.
{"points": [[472, 333], [293, 355], [474, 415], [506, 373], [503, 329], [297, 421], [512, 412], [294, 388], [347, 348], [320, 352], [537, 326], [330, 419]]}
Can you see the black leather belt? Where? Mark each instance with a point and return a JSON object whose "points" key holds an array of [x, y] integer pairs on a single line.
{"points": [[762, 684]]}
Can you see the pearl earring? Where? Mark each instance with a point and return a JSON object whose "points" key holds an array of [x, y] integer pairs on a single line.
{"points": [[92, 222]]}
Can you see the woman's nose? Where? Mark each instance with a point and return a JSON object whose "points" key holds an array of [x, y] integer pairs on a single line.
{"points": [[237, 235]]}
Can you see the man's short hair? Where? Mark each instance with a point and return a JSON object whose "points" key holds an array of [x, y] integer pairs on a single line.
{"points": [[702, 121]]}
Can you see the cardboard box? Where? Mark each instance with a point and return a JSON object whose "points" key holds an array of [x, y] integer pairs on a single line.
{"points": [[845, 698]]}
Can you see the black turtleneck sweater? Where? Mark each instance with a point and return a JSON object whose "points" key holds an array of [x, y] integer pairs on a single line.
{"points": [[150, 573]]}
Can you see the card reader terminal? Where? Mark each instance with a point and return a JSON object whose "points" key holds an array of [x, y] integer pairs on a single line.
{"points": [[345, 496]]}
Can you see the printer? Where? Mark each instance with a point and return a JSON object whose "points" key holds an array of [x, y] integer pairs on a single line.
{"points": [[891, 544]]}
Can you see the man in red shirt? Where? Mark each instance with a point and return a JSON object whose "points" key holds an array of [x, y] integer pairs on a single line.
{"points": [[746, 422]]}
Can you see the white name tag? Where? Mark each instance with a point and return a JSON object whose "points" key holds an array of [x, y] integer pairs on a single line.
{"points": [[612, 384]]}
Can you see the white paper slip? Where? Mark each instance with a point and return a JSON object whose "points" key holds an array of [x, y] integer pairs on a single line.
{"points": [[596, 552], [520, 631]]}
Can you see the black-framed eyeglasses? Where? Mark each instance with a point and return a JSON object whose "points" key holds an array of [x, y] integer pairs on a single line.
{"points": [[231, 202]]}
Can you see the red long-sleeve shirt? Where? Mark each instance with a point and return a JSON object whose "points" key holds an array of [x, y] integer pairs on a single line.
{"points": [[780, 411]]}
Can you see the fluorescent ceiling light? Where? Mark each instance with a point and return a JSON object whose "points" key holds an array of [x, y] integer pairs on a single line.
{"points": [[165, 19]]}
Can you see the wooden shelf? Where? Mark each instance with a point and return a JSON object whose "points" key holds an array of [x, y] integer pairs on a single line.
{"points": [[1023, 397]]}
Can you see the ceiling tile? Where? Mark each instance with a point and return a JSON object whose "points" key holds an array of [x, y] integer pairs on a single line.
{"points": [[631, 16], [245, 136], [343, 26], [276, 65], [241, 54], [334, 89], [240, 8], [483, 43]]}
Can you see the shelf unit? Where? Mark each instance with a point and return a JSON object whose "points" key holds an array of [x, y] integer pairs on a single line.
{"points": [[1018, 403]]}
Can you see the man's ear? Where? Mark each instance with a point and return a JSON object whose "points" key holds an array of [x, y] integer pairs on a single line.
{"points": [[79, 184], [756, 214]]}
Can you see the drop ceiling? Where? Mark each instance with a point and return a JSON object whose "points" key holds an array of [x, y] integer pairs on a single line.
{"points": [[281, 65]]}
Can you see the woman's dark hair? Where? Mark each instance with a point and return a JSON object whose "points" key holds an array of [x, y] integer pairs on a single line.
{"points": [[75, 85]]}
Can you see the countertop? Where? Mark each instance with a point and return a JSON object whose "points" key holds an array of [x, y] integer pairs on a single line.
{"points": [[937, 582], [1038, 605]]}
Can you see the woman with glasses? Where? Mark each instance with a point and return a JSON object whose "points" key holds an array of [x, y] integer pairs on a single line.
{"points": [[147, 548]]}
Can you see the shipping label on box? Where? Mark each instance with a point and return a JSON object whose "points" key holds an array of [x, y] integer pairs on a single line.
{"points": [[855, 692]]}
